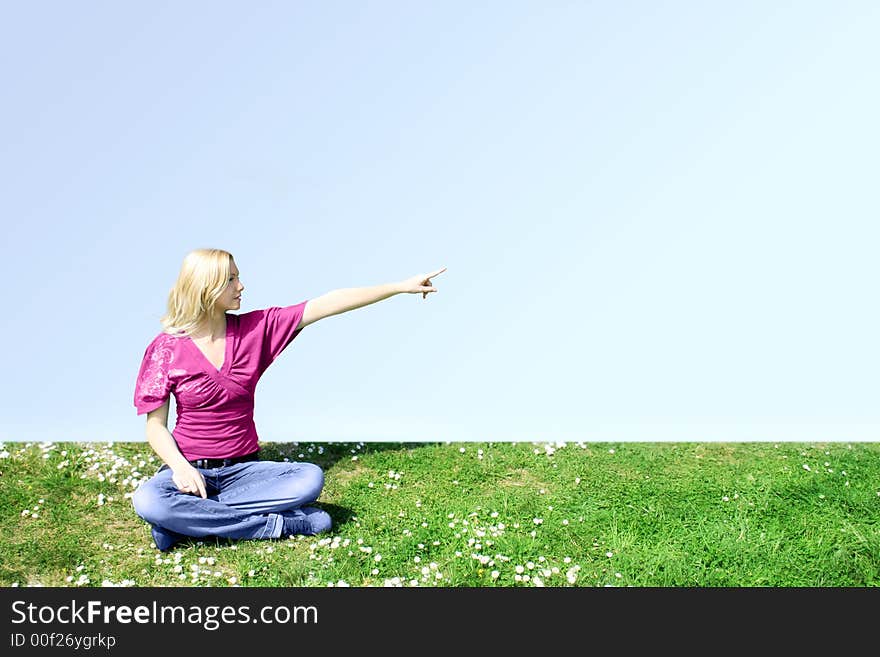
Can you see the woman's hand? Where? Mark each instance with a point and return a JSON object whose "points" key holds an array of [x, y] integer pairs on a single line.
{"points": [[189, 480], [420, 283]]}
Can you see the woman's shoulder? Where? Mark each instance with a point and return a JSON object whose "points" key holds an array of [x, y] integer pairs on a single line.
{"points": [[164, 339], [265, 314], [248, 320]]}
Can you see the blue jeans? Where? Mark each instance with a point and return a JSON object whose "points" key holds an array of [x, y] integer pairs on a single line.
{"points": [[245, 500]]}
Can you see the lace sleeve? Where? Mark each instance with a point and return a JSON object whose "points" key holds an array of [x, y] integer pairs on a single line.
{"points": [[153, 385]]}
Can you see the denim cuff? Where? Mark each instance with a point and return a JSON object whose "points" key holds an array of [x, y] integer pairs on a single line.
{"points": [[274, 526]]}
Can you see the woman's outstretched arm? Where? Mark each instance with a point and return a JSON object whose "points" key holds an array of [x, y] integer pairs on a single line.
{"points": [[343, 300]]}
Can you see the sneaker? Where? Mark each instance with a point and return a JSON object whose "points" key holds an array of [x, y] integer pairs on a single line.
{"points": [[306, 521], [165, 538]]}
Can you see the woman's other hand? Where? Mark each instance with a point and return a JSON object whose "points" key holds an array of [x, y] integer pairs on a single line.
{"points": [[421, 283], [189, 480]]}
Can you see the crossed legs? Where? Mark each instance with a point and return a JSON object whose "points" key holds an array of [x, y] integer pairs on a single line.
{"points": [[245, 501]]}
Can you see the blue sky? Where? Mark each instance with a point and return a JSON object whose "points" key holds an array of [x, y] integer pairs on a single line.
{"points": [[660, 220]]}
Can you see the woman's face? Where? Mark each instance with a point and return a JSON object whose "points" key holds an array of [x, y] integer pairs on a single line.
{"points": [[231, 297]]}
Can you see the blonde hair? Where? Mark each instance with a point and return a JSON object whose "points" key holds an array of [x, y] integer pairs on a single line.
{"points": [[202, 279]]}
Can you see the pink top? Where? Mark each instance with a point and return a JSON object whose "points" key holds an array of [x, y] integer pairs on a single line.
{"points": [[215, 408]]}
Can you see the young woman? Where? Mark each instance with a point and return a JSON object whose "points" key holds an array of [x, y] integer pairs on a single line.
{"points": [[212, 482]]}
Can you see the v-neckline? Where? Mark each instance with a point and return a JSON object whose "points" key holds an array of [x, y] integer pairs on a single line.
{"points": [[227, 350]]}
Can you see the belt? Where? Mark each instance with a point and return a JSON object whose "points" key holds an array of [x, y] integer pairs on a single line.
{"points": [[220, 463]]}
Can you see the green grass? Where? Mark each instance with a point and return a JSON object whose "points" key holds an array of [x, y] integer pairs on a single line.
{"points": [[451, 514]]}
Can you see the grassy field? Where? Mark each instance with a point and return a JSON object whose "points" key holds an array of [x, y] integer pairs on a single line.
{"points": [[471, 514]]}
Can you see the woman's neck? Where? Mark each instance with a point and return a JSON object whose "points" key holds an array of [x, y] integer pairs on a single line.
{"points": [[213, 327]]}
